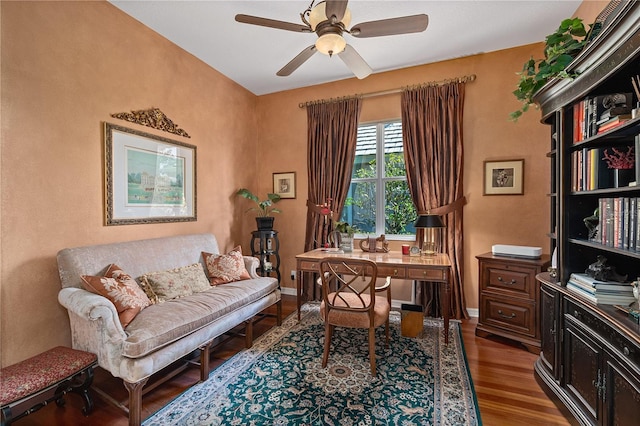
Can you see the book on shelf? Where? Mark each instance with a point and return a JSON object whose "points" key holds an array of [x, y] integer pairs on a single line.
{"points": [[590, 283], [600, 299], [619, 223], [590, 171], [613, 122], [592, 113], [613, 112]]}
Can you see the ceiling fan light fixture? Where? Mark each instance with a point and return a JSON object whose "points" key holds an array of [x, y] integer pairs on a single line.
{"points": [[319, 14], [330, 44]]}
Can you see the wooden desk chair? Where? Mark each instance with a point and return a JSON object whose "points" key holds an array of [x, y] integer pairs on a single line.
{"points": [[349, 300]]}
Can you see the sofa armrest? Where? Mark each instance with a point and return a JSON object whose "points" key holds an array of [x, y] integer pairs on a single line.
{"points": [[252, 263], [92, 307]]}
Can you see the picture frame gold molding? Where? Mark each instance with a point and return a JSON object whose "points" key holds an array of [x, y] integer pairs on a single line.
{"points": [[153, 118]]}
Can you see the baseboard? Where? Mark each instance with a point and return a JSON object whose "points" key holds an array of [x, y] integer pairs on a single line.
{"points": [[289, 291]]}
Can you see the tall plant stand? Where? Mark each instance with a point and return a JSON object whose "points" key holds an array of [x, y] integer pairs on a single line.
{"points": [[266, 246]]}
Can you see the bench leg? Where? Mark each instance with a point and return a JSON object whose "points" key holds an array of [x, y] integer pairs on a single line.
{"points": [[81, 387], [6, 417], [135, 401], [279, 312], [205, 352], [248, 333]]}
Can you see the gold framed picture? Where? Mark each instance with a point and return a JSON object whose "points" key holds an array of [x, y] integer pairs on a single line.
{"points": [[148, 178], [284, 184], [504, 177]]}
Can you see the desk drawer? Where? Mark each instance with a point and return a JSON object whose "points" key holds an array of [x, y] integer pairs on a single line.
{"points": [[307, 265], [391, 271], [430, 274]]}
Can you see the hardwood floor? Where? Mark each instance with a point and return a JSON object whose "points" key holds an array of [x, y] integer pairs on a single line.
{"points": [[502, 372]]}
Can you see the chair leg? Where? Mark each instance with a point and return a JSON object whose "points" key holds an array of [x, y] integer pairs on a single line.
{"points": [[372, 350], [328, 334]]}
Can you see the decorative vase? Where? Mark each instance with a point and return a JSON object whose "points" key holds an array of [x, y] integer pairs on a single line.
{"points": [[622, 177], [265, 223], [346, 242]]}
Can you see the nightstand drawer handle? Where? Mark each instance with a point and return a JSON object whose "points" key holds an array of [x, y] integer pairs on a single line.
{"points": [[395, 272], [513, 315], [513, 281]]}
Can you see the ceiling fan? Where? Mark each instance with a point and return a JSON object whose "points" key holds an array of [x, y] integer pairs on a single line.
{"points": [[329, 20]]}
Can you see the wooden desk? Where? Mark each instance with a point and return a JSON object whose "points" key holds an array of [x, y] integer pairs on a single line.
{"points": [[435, 268]]}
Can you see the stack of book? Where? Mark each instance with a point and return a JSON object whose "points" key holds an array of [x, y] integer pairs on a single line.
{"points": [[606, 124], [601, 292]]}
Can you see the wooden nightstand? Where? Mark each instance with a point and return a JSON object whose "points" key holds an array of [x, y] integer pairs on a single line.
{"points": [[509, 298]]}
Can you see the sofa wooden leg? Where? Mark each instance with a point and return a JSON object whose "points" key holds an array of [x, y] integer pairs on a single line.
{"points": [[279, 312], [205, 352], [135, 401], [248, 333]]}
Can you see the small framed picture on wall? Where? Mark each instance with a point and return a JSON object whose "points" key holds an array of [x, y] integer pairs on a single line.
{"points": [[504, 177], [284, 184]]}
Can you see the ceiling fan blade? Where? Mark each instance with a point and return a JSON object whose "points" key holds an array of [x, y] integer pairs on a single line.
{"points": [[336, 8], [385, 27], [272, 23], [297, 61], [354, 61]]}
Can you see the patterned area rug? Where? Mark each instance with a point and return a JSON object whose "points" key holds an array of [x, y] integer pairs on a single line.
{"points": [[280, 380]]}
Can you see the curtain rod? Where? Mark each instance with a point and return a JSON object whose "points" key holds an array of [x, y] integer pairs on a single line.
{"points": [[463, 79]]}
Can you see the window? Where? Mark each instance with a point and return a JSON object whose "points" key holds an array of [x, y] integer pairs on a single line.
{"points": [[378, 201]]}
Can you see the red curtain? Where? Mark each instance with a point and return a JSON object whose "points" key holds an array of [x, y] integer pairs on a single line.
{"points": [[432, 133]]}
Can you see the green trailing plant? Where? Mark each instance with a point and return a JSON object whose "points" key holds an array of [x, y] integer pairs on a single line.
{"points": [[264, 207], [561, 48]]}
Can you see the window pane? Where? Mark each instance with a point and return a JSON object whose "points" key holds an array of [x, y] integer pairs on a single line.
{"points": [[399, 210], [360, 207], [393, 150], [365, 163]]}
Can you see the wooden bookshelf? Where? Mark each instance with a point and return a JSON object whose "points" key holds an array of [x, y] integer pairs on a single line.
{"points": [[590, 353]]}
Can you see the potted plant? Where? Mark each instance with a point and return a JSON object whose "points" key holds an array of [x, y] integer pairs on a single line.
{"points": [[622, 164], [346, 232], [561, 47], [264, 220]]}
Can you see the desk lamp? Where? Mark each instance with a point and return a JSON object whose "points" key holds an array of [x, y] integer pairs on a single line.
{"points": [[432, 224]]}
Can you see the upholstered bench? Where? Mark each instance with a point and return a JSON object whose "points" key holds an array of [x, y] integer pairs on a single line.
{"points": [[29, 385]]}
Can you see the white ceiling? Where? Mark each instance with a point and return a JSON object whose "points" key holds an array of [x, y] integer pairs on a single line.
{"points": [[251, 55]]}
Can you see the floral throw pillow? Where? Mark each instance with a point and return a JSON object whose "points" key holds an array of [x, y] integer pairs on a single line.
{"points": [[122, 290], [226, 268], [174, 283]]}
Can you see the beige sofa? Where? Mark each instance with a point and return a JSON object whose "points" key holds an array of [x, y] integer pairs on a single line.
{"points": [[162, 333]]}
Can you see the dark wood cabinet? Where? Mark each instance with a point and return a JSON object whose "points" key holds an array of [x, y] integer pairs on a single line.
{"points": [[590, 353], [550, 326], [509, 298], [592, 366]]}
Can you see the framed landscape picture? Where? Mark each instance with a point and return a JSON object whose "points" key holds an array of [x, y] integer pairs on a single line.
{"points": [[148, 178], [284, 184], [504, 177]]}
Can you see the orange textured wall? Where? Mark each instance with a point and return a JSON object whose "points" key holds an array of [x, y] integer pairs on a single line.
{"points": [[66, 66]]}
